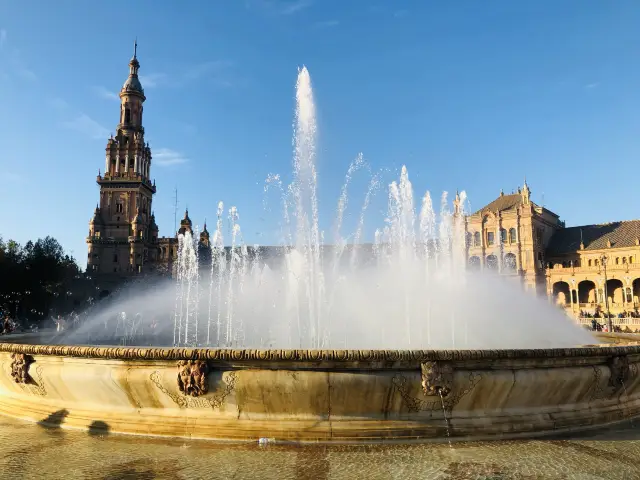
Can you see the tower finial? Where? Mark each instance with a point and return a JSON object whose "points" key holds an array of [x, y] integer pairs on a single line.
{"points": [[135, 48]]}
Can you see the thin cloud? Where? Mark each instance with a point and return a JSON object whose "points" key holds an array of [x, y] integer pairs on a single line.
{"points": [[327, 24], [294, 7], [18, 66], [164, 157], [203, 69], [215, 70], [87, 126], [106, 93], [591, 86], [278, 7], [27, 74], [10, 177], [3, 37], [152, 80], [58, 103]]}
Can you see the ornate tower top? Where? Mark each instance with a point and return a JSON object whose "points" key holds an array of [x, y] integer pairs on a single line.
{"points": [[132, 85], [526, 192]]}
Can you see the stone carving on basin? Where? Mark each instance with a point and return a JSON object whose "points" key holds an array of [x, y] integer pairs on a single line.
{"points": [[620, 372], [192, 377], [20, 363], [437, 378]]}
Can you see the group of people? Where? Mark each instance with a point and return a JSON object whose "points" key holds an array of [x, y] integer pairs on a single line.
{"points": [[599, 314]]}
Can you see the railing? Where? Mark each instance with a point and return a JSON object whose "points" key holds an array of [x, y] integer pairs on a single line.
{"points": [[619, 322], [624, 267]]}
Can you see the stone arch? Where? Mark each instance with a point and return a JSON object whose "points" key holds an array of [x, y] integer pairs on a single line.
{"points": [[510, 263], [636, 290], [491, 262], [561, 293], [615, 291], [474, 263], [587, 291]]}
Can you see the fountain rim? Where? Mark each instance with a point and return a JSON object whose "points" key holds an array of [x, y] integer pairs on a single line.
{"points": [[221, 354]]}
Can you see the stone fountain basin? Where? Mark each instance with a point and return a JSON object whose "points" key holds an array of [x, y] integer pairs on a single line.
{"points": [[320, 395]]}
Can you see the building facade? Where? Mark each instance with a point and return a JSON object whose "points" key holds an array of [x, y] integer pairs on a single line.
{"points": [[585, 269]]}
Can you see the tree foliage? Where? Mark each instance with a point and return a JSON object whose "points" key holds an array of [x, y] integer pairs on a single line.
{"points": [[35, 278]]}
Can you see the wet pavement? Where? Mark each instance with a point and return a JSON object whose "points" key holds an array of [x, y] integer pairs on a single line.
{"points": [[30, 451]]}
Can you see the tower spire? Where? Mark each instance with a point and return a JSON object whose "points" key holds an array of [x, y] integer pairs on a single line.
{"points": [[135, 48]]}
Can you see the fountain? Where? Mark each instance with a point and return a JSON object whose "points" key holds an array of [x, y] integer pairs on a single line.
{"points": [[327, 342]]}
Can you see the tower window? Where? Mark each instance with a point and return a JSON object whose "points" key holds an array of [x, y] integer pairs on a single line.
{"points": [[119, 208], [127, 115]]}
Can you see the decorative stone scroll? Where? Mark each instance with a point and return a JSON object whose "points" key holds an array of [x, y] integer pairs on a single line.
{"points": [[437, 378], [192, 377], [20, 363], [620, 373]]}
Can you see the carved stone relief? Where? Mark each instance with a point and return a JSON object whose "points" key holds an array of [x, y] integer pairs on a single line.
{"points": [[437, 378], [211, 400], [619, 367], [20, 363], [192, 377]]}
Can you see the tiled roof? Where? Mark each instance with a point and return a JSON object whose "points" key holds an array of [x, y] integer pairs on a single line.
{"points": [[594, 237], [504, 202]]}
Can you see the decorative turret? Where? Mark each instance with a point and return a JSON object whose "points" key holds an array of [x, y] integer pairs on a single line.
{"points": [[96, 223], [204, 235], [185, 224], [137, 225], [526, 193]]}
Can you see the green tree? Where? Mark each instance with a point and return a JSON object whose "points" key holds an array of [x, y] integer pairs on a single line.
{"points": [[35, 277]]}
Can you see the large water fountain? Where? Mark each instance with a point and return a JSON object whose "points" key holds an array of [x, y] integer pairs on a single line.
{"points": [[327, 341]]}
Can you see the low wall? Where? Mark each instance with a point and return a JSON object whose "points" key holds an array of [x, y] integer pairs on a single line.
{"points": [[306, 395]]}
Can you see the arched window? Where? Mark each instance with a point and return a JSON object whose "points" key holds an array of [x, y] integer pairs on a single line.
{"points": [[503, 235], [476, 239], [510, 263], [589, 262], [617, 260], [474, 263], [127, 115], [490, 238], [491, 262], [597, 262], [624, 260], [629, 295], [512, 235], [630, 259]]}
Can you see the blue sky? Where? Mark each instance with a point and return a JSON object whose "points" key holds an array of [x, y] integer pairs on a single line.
{"points": [[469, 95]]}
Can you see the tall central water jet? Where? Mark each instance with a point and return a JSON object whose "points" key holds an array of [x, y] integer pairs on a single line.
{"points": [[308, 269]]}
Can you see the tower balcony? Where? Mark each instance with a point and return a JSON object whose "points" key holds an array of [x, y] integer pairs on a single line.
{"points": [[126, 179]]}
